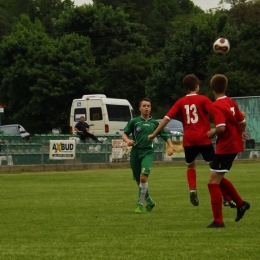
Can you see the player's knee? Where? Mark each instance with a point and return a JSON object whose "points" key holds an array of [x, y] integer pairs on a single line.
{"points": [[143, 178]]}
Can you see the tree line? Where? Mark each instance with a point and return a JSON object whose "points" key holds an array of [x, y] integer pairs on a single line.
{"points": [[52, 51]]}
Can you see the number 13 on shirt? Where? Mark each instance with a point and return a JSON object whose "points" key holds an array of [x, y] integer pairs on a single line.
{"points": [[191, 113]]}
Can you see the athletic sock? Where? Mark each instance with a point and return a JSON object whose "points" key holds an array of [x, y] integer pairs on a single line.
{"points": [[148, 199], [191, 177], [142, 192], [230, 190], [216, 202], [224, 194]]}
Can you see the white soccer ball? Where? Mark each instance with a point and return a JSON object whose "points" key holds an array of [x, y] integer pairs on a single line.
{"points": [[221, 46]]}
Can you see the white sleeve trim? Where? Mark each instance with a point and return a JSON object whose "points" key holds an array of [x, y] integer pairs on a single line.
{"points": [[222, 124], [242, 121], [167, 117]]}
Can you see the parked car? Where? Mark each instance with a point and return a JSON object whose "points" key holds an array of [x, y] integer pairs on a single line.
{"points": [[15, 129], [173, 127]]}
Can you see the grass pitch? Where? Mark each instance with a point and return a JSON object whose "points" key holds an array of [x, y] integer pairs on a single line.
{"points": [[90, 215]]}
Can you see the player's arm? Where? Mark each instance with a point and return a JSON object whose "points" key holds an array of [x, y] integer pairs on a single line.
{"points": [[170, 147], [219, 121], [171, 113], [167, 138], [216, 131], [242, 126], [128, 141], [159, 128], [127, 132]]}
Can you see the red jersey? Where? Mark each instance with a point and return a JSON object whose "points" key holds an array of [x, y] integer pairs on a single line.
{"points": [[193, 109], [225, 112]]}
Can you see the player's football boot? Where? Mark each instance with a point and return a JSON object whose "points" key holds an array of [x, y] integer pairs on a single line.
{"points": [[241, 210], [194, 197], [139, 208], [229, 203], [216, 225], [149, 207]]}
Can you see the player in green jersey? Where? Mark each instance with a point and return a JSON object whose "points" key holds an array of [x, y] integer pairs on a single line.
{"points": [[142, 153]]}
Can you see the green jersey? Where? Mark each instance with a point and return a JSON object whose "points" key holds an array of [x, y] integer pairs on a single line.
{"points": [[140, 128]]}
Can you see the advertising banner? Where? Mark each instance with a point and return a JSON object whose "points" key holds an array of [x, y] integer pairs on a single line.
{"points": [[120, 150], [62, 149], [178, 151]]}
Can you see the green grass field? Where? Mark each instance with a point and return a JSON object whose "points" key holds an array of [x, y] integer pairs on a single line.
{"points": [[90, 215]]}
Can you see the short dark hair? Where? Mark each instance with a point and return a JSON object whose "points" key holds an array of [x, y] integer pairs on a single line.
{"points": [[190, 82], [82, 116], [144, 99], [219, 83]]}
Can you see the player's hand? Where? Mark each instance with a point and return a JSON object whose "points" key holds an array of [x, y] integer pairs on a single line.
{"points": [[170, 151], [130, 143], [211, 133], [151, 137], [243, 113]]}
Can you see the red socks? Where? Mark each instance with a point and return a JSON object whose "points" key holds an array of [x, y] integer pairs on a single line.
{"points": [[216, 202], [229, 189], [191, 177]]}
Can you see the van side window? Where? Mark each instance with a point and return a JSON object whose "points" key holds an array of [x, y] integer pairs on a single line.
{"points": [[95, 114], [78, 112], [118, 113]]}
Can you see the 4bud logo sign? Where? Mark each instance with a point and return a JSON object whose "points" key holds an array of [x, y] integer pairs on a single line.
{"points": [[62, 149]]}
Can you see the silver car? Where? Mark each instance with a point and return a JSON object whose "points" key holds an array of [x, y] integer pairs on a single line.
{"points": [[173, 127], [15, 129]]}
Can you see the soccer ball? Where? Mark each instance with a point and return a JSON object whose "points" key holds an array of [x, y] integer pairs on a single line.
{"points": [[221, 46]]}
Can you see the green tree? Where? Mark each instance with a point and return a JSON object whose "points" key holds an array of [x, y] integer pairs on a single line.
{"points": [[241, 65], [110, 31], [156, 15], [125, 77], [43, 75], [6, 22], [186, 52], [44, 10]]}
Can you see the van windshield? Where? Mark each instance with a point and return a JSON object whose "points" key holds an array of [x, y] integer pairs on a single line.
{"points": [[118, 113]]}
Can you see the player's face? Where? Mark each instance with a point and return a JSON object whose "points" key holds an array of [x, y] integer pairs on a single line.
{"points": [[145, 108], [82, 119]]}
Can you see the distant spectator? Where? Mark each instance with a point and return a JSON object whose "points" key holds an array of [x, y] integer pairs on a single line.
{"points": [[82, 129]]}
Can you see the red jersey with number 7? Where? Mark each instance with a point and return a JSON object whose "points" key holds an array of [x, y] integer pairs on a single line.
{"points": [[225, 112], [193, 110]]}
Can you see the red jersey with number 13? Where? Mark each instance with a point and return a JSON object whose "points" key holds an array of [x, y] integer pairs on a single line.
{"points": [[225, 112], [193, 109]]}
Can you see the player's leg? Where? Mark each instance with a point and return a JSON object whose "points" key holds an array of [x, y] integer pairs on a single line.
{"points": [[221, 164], [229, 189], [147, 159], [135, 164], [217, 171], [216, 198], [191, 153], [208, 152], [227, 201]]}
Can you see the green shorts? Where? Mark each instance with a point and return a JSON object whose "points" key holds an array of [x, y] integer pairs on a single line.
{"points": [[141, 162]]}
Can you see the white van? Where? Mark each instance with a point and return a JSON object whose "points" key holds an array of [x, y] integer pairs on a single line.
{"points": [[104, 115]]}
